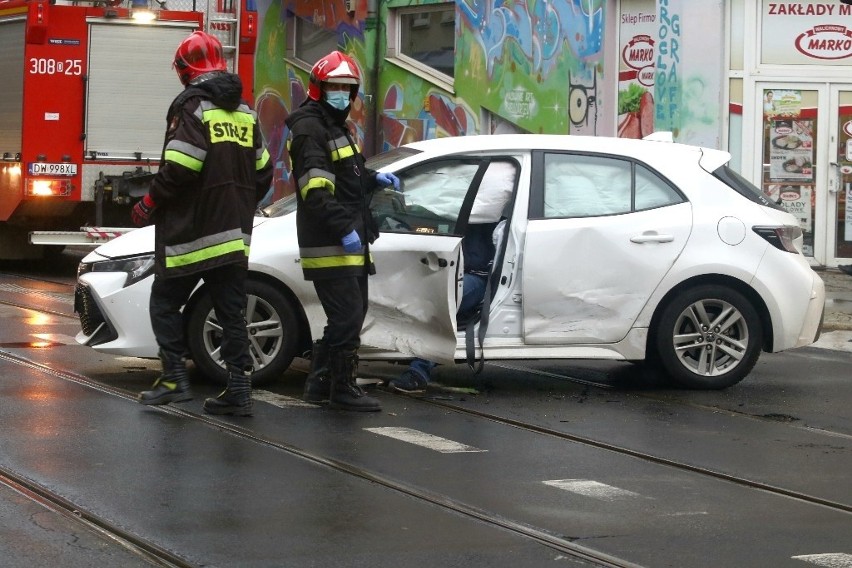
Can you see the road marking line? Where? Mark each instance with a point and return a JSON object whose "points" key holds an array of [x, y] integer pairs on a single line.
{"points": [[280, 400], [831, 560], [423, 439], [16, 289], [590, 488], [55, 338]]}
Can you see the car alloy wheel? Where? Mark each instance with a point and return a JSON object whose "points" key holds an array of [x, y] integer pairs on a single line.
{"points": [[709, 337], [272, 334]]}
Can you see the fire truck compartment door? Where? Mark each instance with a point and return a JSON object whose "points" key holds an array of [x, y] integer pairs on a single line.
{"points": [[131, 85], [12, 85]]}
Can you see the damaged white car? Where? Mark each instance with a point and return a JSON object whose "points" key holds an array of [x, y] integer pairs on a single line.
{"points": [[634, 250]]}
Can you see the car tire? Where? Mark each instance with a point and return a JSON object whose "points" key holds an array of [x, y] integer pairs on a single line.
{"points": [[697, 355], [273, 334]]}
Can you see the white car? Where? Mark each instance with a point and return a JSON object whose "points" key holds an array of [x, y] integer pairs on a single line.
{"points": [[634, 250]]}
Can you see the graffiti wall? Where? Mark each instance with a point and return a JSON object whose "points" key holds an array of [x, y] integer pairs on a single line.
{"points": [[520, 66]]}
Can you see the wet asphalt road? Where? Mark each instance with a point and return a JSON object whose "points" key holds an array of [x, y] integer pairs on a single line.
{"points": [[528, 464]]}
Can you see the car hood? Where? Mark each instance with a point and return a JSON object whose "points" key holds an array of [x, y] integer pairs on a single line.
{"points": [[136, 242]]}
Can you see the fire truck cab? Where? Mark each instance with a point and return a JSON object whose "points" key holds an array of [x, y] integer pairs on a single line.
{"points": [[83, 98]]}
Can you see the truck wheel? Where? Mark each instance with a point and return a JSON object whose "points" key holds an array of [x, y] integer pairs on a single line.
{"points": [[708, 337], [272, 328]]}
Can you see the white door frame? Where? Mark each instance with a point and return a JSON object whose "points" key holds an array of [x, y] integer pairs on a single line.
{"points": [[835, 184]]}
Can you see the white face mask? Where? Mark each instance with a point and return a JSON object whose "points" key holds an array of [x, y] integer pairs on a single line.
{"points": [[337, 99]]}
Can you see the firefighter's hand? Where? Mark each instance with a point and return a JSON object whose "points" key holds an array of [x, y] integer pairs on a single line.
{"points": [[141, 212], [388, 179], [351, 242]]}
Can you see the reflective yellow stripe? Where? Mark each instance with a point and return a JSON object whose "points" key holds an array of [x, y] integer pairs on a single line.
{"points": [[262, 161], [207, 253], [317, 183], [342, 153], [334, 261], [186, 161]]}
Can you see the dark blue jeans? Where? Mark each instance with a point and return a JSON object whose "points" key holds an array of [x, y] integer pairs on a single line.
{"points": [[473, 292]]}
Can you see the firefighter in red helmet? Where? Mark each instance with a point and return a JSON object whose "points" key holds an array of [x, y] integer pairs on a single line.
{"points": [[334, 226], [202, 202]]}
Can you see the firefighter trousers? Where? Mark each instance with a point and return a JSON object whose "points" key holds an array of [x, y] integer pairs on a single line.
{"points": [[344, 301], [227, 288]]}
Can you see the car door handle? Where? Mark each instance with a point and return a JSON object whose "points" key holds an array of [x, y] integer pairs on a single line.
{"points": [[651, 237]]}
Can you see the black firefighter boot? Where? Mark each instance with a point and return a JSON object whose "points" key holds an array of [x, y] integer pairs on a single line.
{"points": [[172, 385], [318, 385], [345, 392], [235, 399]]}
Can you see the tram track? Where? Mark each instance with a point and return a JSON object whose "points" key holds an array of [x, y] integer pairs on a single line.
{"points": [[533, 533], [54, 502]]}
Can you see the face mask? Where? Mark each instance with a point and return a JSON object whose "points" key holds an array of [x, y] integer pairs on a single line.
{"points": [[337, 99]]}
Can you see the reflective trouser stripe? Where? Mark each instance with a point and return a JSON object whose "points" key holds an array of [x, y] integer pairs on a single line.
{"points": [[206, 253]]}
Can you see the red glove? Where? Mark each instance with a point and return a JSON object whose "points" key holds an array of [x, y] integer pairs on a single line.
{"points": [[141, 212]]}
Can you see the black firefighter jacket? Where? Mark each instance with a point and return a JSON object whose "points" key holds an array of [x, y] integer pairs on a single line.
{"points": [[214, 171], [333, 186]]}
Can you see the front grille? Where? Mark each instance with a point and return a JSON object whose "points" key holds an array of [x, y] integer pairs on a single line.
{"points": [[86, 307]]}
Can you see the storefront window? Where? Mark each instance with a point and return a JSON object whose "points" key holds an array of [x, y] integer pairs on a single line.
{"points": [[789, 150]]}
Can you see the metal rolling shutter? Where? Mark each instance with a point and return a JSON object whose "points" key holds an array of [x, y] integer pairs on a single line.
{"points": [[131, 84], [11, 86]]}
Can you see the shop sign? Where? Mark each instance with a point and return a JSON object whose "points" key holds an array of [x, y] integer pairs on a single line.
{"points": [[826, 42], [806, 32], [638, 54]]}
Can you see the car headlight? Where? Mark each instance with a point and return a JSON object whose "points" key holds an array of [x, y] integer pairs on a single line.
{"points": [[137, 267]]}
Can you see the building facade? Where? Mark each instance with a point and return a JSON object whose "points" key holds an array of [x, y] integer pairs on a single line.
{"points": [[768, 81]]}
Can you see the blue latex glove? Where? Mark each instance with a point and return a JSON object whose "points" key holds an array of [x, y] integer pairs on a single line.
{"points": [[387, 179], [351, 242]]}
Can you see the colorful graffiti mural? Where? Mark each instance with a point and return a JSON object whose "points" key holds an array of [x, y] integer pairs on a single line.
{"points": [[540, 62], [527, 65]]}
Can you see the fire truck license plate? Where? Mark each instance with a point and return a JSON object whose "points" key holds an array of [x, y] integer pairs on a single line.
{"points": [[52, 169]]}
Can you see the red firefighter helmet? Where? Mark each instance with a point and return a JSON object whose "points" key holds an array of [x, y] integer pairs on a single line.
{"points": [[336, 67], [198, 54]]}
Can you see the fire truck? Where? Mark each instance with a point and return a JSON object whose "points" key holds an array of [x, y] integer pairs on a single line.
{"points": [[84, 90]]}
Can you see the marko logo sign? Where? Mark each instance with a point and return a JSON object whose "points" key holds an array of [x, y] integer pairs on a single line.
{"points": [[826, 42], [638, 54]]}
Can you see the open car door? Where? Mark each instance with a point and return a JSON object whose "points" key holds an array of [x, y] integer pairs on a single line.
{"points": [[419, 277], [413, 296]]}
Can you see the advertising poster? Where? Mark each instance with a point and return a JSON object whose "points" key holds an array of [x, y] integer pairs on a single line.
{"points": [[797, 200], [636, 68], [791, 150]]}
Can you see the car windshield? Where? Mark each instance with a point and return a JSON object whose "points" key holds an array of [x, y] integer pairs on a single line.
{"points": [[744, 187], [379, 161], [287, 204]]}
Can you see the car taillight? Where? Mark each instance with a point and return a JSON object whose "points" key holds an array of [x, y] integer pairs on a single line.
{"points": [[787, 238], [49, 187]]}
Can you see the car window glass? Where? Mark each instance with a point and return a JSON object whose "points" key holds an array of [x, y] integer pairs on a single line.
{"points": [[431, 198], [584, 186], [652, 192]]}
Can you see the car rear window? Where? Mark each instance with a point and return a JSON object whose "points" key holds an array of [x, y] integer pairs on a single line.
{"points": [[744, 187]]}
